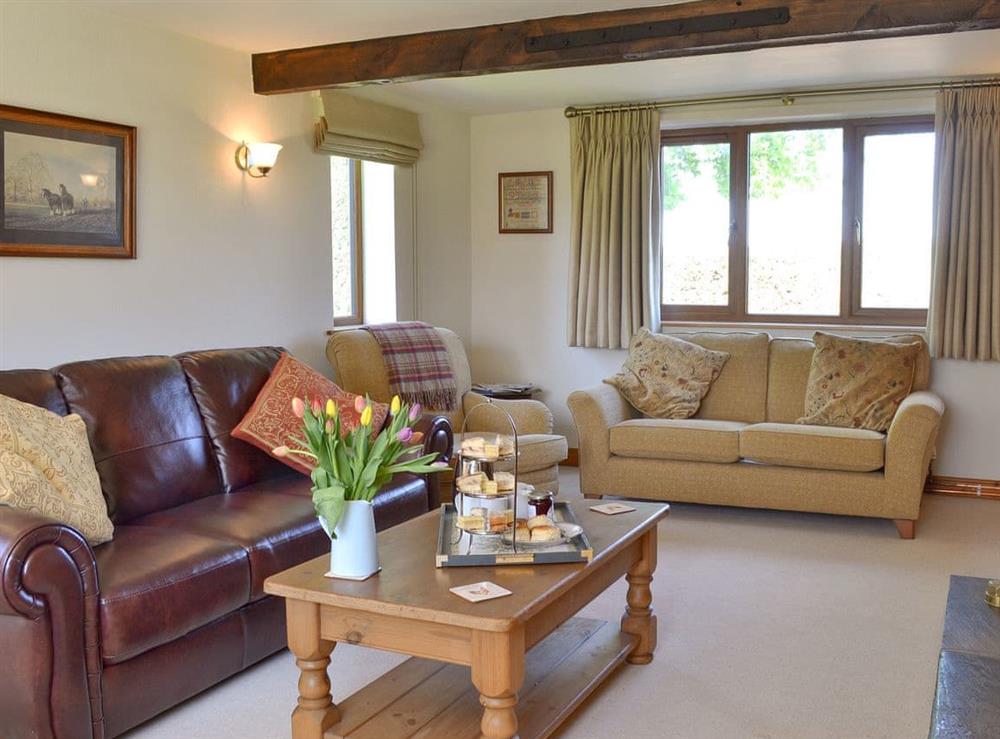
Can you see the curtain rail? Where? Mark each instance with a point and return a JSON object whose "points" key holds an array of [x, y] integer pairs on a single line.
{"points": [[787, 98]]}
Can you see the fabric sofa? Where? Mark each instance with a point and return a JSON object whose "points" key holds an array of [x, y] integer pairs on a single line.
{"points": [[743, 447], [357, 363], [96, 640]]}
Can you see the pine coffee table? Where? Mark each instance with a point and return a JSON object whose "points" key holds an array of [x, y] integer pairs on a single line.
{"points": [[513, 666]]}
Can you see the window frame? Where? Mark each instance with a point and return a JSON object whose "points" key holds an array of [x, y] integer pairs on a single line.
{"points": [[851, 253], [356, 317]]}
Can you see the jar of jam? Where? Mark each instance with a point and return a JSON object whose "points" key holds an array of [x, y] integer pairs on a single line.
{"points": [[540, 503]]}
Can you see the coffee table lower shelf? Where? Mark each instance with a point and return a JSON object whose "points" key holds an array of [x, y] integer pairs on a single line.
{"points": [[424, 699]]}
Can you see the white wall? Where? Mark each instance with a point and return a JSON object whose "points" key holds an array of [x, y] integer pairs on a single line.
{"points": [[224, 260], [519, 292]]}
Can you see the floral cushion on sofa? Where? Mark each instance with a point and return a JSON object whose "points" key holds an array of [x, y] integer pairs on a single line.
{"points": [[270, 422], [666, 377], [858, 383], [47, 467]]}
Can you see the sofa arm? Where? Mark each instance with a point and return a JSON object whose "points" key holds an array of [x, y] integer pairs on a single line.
{"points": [[909, 446], [438, 439], [595, 411], [49, 629], [530, 416]]}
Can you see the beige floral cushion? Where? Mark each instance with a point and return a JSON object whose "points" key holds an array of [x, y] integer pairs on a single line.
{"points": [[46, 467], [858, 383], [666, 377]]}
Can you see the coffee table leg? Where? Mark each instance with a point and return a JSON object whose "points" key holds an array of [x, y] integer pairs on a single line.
{"points": [[497, 673], [639, 619], [316, 711]]}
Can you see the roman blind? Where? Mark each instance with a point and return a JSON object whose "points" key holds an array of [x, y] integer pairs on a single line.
{"points": [[350, 126]]}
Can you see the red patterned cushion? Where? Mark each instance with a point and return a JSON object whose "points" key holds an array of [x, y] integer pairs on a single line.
{"points": [[270, 422]]}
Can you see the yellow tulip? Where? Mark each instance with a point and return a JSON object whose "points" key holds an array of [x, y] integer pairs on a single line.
{"points": [[331, 408], [396, 403], [366, 416]]}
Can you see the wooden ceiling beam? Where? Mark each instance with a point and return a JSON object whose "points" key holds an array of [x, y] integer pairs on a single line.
{"points": [[607, 37]]}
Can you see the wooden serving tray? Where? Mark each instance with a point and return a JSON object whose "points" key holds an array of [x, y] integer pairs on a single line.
{"points": [[457, 548]]}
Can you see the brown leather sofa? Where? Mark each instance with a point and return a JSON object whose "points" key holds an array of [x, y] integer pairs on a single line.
{"points": [[94, 641]]}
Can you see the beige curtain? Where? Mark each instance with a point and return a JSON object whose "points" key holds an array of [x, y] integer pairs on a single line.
{"points": [[964, 317], [615, 234], [356, 128]]}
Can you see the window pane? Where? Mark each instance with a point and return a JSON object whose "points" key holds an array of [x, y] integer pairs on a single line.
{"points": [[695, 229], [896, 225], [378, 241], [341, 223], [795, 222]]}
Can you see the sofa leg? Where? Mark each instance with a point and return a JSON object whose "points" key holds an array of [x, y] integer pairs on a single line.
{"points": [[906, 527], [592, 496]]}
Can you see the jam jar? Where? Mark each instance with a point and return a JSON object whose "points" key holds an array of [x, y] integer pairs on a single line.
{"points": [[541, 503]]}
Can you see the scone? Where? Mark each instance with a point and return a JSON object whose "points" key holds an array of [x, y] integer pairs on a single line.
{"points": [[536, 521], [522, 532], [504, 481], [545, 533]]}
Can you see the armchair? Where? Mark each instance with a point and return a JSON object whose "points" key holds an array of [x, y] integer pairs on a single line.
{"points": [[358, 367]]}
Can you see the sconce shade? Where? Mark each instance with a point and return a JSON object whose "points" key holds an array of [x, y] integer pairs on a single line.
{"points": [[257, 159]]}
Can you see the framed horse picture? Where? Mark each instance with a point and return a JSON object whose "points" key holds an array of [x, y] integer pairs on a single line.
{"points": [[68, 186]]}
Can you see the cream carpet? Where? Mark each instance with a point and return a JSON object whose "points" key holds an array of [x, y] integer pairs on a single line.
{"points": [[771, 625]]}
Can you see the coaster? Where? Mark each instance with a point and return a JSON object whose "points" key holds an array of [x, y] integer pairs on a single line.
{"points": [[356, 579], [479, 591], [611, 509]]}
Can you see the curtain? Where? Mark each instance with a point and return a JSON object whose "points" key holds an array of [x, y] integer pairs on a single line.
{"points": [[356, 128], [964, 317], [614, 285]]}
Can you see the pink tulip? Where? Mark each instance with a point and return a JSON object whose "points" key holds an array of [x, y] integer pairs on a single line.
{"points": [[280, 451], [415, 412], [329, 425], [405, 434], [317, 407], [359, 403], [298, 407]]}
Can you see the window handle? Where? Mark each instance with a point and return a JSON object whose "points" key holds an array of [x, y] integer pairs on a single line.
{"points": [[857, 232]]}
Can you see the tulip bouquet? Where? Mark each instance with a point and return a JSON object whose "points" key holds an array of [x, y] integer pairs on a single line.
{"points": [[356, 466]]}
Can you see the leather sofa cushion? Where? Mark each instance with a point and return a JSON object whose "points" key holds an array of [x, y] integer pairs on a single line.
{"points": [[276, 531], [688, 439], [148, 439], [815, 447], [158, 584], [34, 386], [405, 497], [225, 383]]}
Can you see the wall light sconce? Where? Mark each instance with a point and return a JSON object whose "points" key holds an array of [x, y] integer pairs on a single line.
{"points": [[257, 160]]}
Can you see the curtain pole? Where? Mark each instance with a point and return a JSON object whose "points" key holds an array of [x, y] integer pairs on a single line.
{"points": [[787, 98]]}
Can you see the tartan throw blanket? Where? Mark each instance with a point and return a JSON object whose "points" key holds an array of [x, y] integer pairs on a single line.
{"points": [[416, 361]]}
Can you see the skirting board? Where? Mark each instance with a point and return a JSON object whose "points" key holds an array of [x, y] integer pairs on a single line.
{"points": [[966, 487]]}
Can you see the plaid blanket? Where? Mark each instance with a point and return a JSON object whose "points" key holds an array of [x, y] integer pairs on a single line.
{"points": [[417, 363]]}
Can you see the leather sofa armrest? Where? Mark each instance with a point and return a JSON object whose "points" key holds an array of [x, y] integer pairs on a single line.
{"points": [[438, 439], [910, 447], [530, 416], [49, 629], [595, 410]]}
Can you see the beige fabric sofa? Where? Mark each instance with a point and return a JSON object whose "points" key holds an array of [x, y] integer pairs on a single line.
{"points": [[743, 447], [358, 367]]}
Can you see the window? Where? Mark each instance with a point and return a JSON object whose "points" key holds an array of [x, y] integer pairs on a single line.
{"points": [[362, 222], [826, 222]]}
